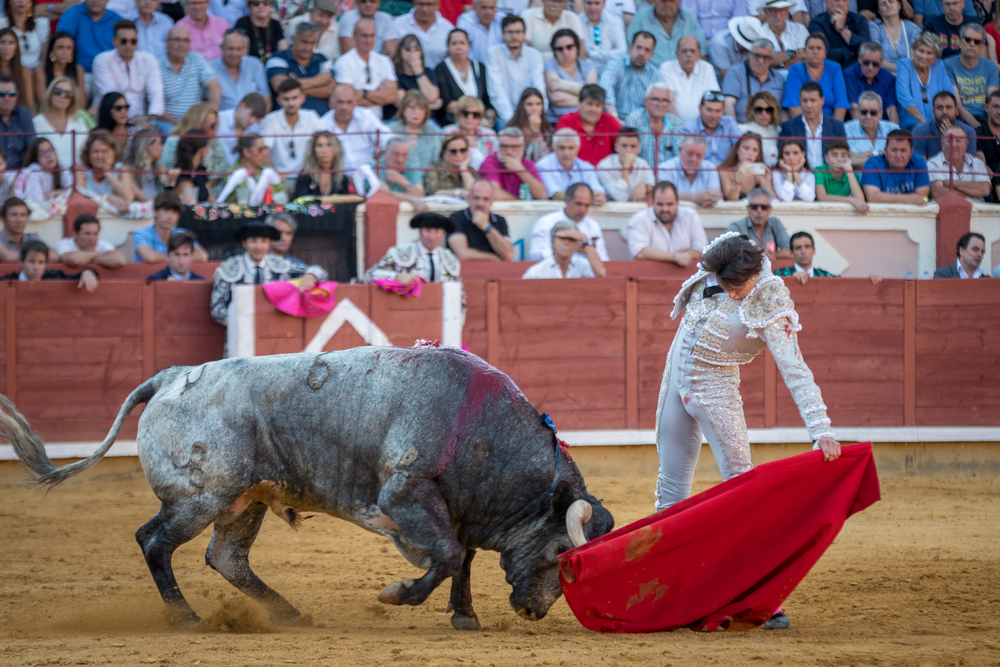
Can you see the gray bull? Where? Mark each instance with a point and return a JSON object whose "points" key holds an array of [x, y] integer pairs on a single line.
{"points": [[431, 447]]}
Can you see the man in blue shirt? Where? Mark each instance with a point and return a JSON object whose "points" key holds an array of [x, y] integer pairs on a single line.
{"points": [[150, 243], [719, 130], [898, 176], [927, 143], [152, 27], [667, 22], [237, 73], [844, 30], [16, 128], [974, 77], [92, 27], [311, 69], [867, 74]]}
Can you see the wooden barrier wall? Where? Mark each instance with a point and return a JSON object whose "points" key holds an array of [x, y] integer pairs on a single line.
{"points": [[70, 358]]}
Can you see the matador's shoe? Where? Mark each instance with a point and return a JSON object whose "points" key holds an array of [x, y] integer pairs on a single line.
{"points": [[777, 622]]}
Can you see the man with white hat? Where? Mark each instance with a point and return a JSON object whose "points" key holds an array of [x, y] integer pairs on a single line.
{"points": [[788, 37], [732, 47], [799, 10]]}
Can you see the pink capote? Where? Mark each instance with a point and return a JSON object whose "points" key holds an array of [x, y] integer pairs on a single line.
{"points": [[726, 558], [412, 290], [286, 297]]}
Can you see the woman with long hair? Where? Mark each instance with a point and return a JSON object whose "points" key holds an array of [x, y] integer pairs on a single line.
{"points": [[892, 32], [10, 65], [60, 61], [43, 178], [95, 173], [192, 182], [764, 120], [482, 140], [412, 75], [414, 124], [323, 168], [451, 175], [529, 117], [459, 76], [744, 169], [793, 181], [266, 34], [31, 30], [566, 74], [58, 120], [140, 167], [204, 117], [112, 116], [700, 391], [249, 175]]}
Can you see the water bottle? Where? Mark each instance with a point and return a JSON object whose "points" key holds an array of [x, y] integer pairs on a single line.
{"points": [[927, 275], [524, 192], [909, 275]]}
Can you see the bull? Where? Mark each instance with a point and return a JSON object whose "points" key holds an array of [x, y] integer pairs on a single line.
{"points": [[430, 447]]}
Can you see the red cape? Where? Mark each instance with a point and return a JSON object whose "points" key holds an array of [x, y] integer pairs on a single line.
{"points": [[726, 558]]}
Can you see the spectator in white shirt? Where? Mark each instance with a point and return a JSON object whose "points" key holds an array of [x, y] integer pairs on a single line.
{"points": [[321, 15], [540, 23], [565, 261], [562, 167], [426, 22], [579, 198], [483, 26], [511, 67], [244, 119], [386, 37], [603, 33], [792, 179], [135, 74], [689, 78], [85, 246], [287, 131], [954, 169], [788, 37], [361, 134], [666, 232], [624, 175], [371, 74]]}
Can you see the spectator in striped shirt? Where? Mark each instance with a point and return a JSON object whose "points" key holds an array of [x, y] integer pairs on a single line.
{"points": [[187, 78], [626, 78], [659, 130]]}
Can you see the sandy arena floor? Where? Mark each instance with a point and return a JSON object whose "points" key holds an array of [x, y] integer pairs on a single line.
{"points": [[914, 580]]}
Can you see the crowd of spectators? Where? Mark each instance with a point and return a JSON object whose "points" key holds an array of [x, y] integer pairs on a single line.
{"points": [[583, 102]]}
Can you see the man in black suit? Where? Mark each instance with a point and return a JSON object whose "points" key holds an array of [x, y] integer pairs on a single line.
{"points": [[970, 251], [844, 30], [180, 252], [480, 235], [814, 127]]}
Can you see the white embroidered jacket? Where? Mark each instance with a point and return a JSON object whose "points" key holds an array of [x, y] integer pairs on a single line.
{"points": [[733, 333], [234, 271], [412, 258]]}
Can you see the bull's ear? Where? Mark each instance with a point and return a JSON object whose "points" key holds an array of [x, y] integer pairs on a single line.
{"points": [[562, 497]]}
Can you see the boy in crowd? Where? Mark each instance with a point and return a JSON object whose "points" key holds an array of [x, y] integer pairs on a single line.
{"points": [[835, 178], [180, 254], [34, 255], [151, 243]]}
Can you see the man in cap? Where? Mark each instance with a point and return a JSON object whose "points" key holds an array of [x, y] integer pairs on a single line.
{"points": [[731, 48], [787, 36], [321, 15], [427, 258], [256, 267]]}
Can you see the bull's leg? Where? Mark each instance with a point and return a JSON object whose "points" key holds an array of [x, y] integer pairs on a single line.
{"points": [[416, 506], [464, 617], [228, 553], [159, 538]]}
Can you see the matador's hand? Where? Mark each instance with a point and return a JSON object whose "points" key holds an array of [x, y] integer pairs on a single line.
{"points": [[830, 448]]}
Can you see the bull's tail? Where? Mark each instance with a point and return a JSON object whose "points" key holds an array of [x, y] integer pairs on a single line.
{"points": [[14, 427]]}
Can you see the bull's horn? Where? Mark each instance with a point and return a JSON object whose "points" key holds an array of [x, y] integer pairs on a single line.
{"points": [[578, 514]]}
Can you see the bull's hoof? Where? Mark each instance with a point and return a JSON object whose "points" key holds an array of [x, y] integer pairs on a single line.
{"points": [[184, 619], [395, 592], [465, 622], [291, 618]]}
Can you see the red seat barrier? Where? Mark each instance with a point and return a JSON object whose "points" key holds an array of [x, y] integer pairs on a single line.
{"points": [[726, 558]]}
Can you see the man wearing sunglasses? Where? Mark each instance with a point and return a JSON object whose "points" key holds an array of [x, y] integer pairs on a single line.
{"points": [[866, 136], [16, 128], [974, 77], [754, 76], [720, 131], [765, 230], [948, 26], [134, 74], [867, 74]]}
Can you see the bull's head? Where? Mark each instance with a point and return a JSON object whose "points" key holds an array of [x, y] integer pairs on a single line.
{"points": [[531, 559]]}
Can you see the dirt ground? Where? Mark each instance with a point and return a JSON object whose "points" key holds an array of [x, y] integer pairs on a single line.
{"points": [[913, 580]]}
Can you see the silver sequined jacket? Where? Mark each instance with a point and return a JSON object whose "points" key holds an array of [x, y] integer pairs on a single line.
{"points": [[234, 271], [732, 333], [412, 258]]}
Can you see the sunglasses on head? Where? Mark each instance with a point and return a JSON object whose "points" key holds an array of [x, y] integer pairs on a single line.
{"points": [[713, 96]]}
